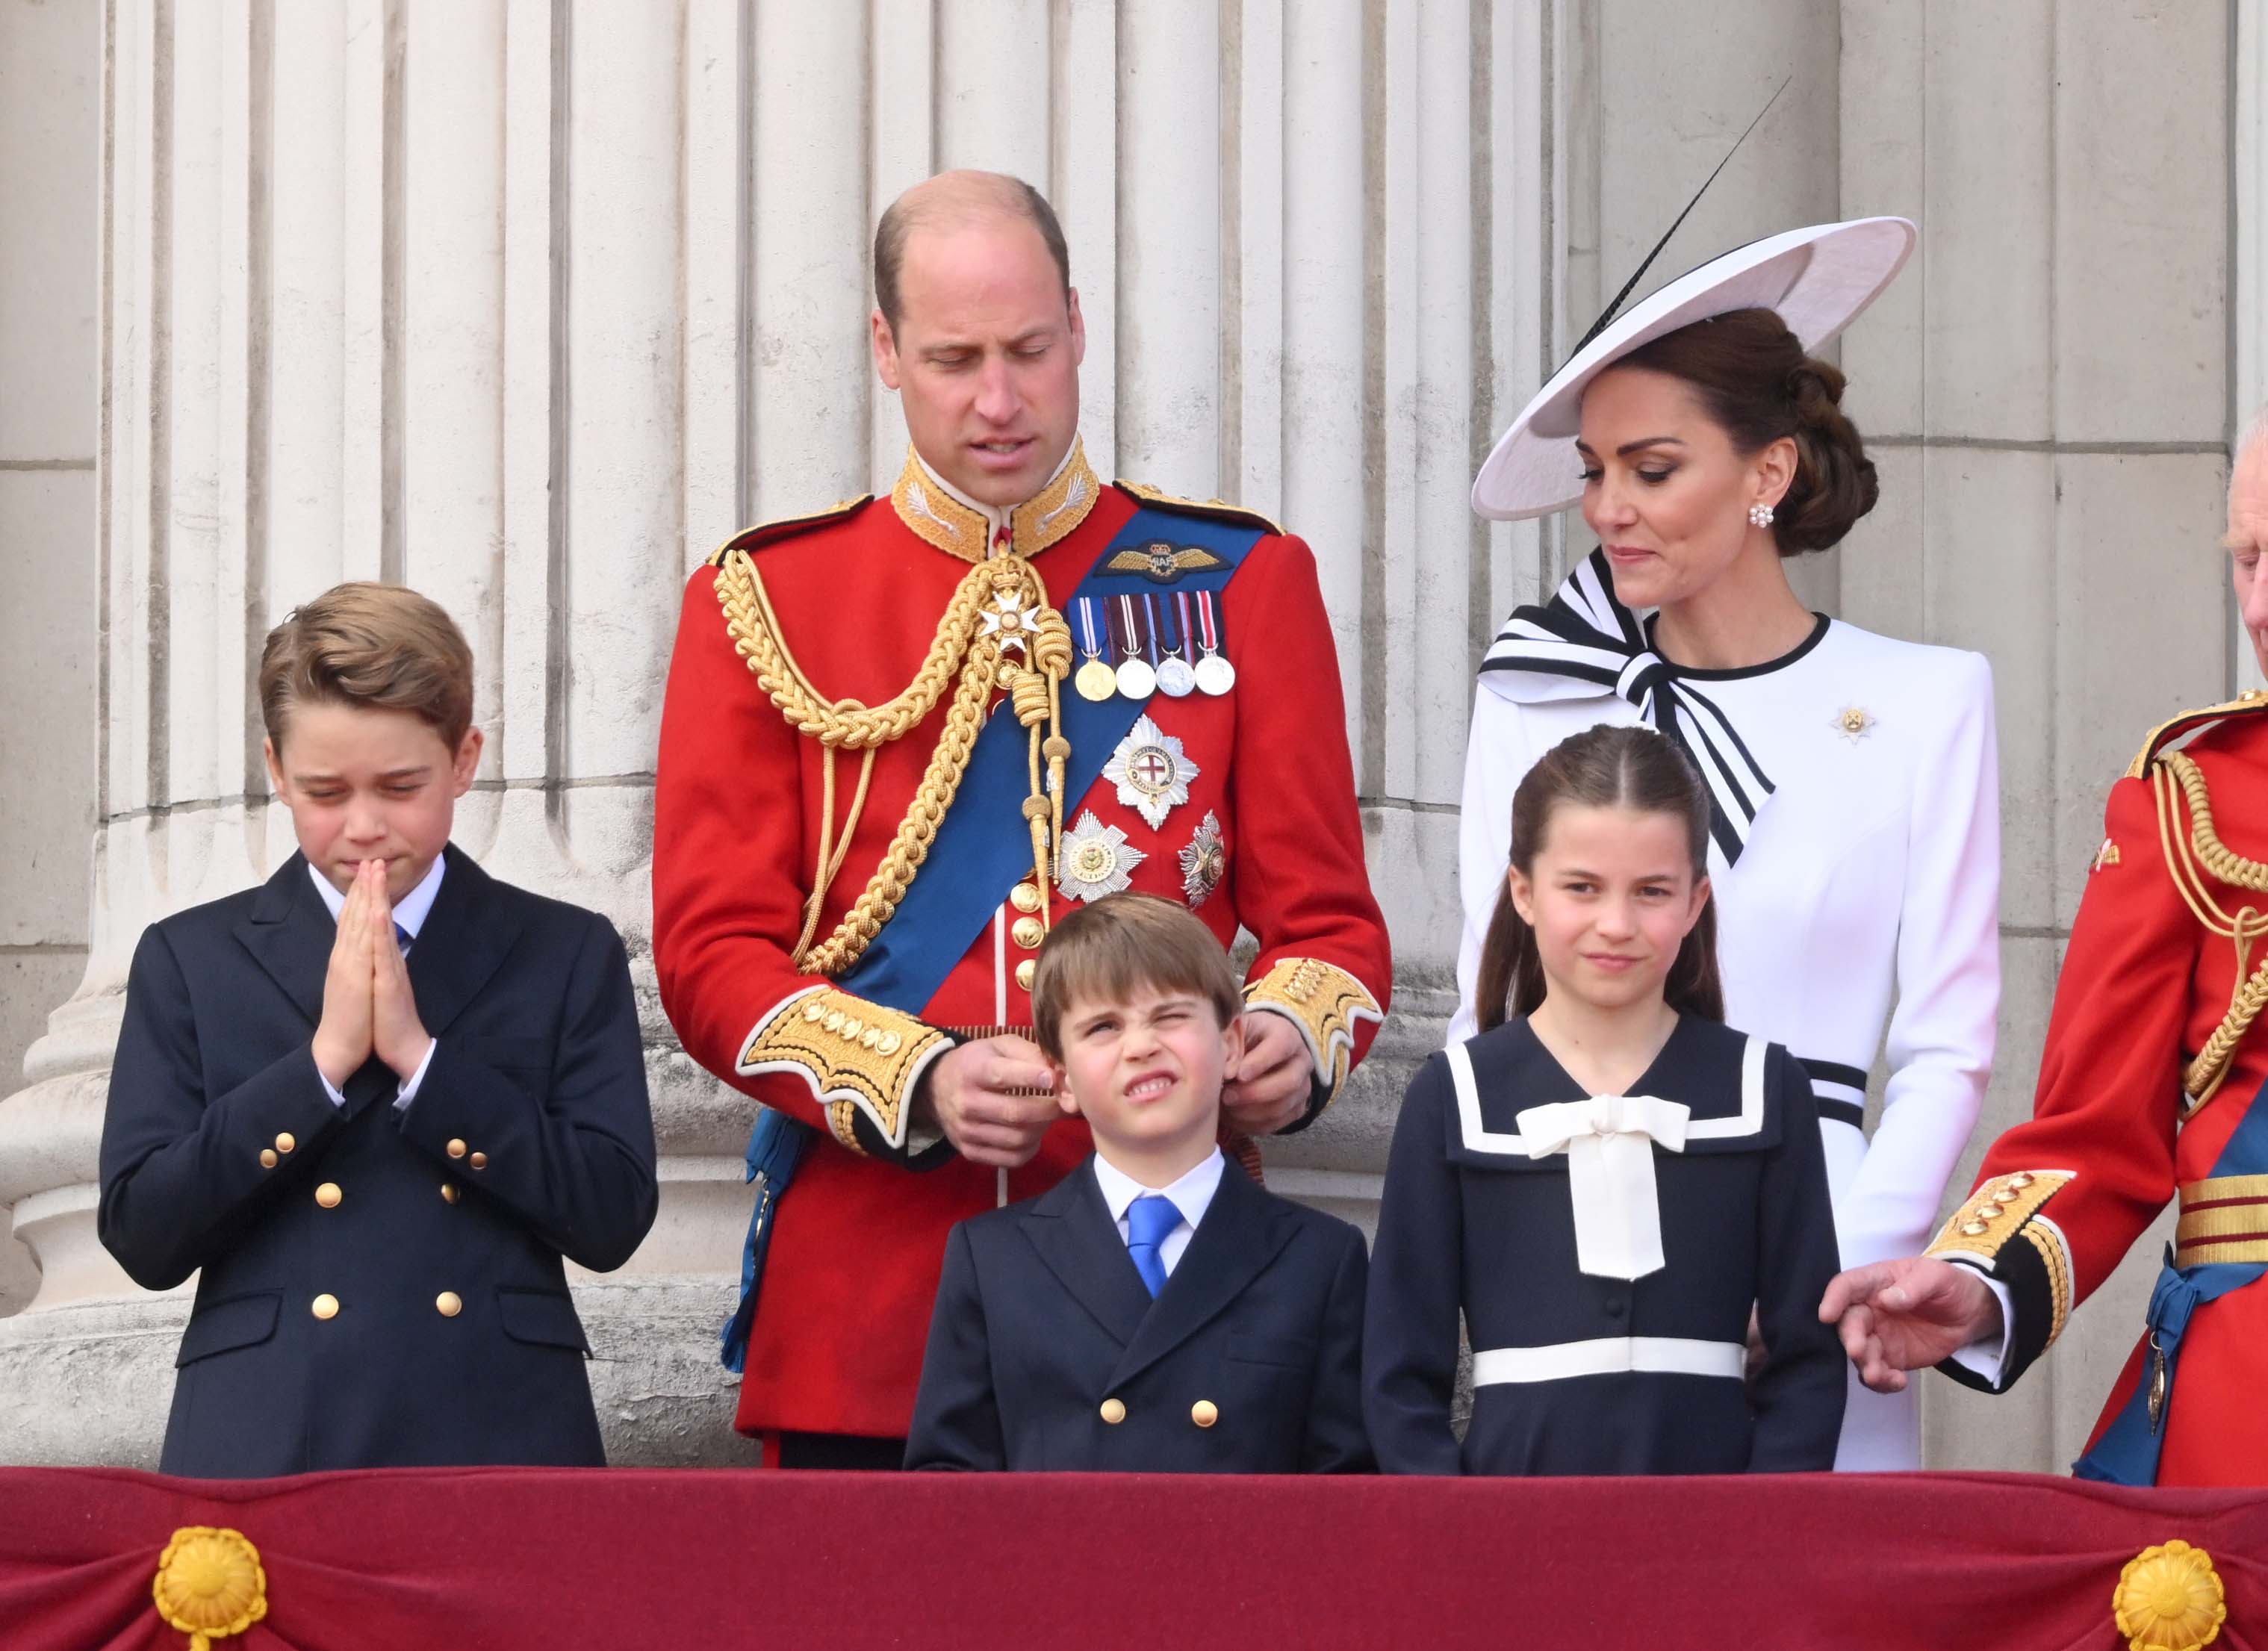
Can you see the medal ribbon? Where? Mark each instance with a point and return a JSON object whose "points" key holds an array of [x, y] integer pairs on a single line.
{"points": [[1209, 626], [1182, 625], [1086, 606], [1150, 626], [1133, 628]]}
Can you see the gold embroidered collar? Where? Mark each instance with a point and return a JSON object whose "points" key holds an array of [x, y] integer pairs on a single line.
{"points": [[939, 519]]}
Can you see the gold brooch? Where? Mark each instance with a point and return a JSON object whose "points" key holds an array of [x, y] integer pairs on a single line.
{"points": [[1852, 722], [2170, 1598], [209, 1584]]}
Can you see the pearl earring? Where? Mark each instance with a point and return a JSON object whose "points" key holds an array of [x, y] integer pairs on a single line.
{"points": [[1761, 515]]}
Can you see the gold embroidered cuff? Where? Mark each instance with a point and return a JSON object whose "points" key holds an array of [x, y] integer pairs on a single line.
{"points": [[857, 1056], [1996, 1213], [1324, 1002]]}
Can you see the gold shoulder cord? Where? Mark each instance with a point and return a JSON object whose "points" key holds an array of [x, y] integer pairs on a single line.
{"points": [[1001, 604], [2189, 857]]}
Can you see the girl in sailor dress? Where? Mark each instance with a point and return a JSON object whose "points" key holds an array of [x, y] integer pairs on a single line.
{"points": [[1607, 1182], [1855, 851]]}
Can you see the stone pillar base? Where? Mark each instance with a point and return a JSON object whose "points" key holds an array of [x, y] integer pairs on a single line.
{"points": [[89, 1384]]}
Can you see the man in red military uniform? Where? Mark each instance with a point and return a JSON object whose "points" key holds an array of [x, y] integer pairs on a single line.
{"points": [[903, 735], [2149, 1089]]}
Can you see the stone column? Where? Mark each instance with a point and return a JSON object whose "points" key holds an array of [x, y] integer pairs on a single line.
{"points": [[50, 149], [530, 303], [2248, 305], [2046, 394], [2043, 392]]}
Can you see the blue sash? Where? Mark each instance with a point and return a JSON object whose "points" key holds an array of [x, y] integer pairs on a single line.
{"points": [[2127, 1453], [986, 843]]}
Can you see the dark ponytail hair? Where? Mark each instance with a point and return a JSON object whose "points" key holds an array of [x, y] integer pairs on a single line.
{"points": [[1607, 767], [1759, 385]]}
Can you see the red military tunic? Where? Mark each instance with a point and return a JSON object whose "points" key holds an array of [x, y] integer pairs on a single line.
{"points": [[1269, 839], [2142, 1035]]}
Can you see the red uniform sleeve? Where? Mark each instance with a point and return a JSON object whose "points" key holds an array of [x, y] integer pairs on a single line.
{"points": [[1301, 886], [2063, 1195], [728, 875]]}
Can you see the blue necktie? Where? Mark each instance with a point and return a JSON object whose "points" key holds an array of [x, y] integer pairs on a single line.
{"points": [[1149, 1219], [403, 938]]}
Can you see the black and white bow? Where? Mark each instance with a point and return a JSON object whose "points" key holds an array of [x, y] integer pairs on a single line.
{"points": [[1583, 641]]}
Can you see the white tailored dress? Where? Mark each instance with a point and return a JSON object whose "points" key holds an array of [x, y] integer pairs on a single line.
{"points": [[1856, 868]]}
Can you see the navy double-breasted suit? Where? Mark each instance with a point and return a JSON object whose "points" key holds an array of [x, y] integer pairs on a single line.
{"points": [[1047, 1352], [378, 1286]]}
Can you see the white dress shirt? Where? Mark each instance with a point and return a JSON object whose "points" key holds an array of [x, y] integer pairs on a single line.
{"points": [[410, 913], [1191, 1195]]}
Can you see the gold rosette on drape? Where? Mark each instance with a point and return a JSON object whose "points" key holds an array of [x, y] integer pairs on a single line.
{"points": [[2170, 1598], [209, 1584]]}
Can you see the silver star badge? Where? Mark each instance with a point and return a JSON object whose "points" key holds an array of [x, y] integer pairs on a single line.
{"points": [[1097, 859], [1153, 775], [1853, 723], [1011, 621], [1203, 863]]}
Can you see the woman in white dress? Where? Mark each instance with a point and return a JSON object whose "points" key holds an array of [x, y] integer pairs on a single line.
{"points": [[1856, 851]]}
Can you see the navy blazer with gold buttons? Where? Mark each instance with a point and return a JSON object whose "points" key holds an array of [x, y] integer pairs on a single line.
{"points": [[380, 1287], [1047, 1352]]}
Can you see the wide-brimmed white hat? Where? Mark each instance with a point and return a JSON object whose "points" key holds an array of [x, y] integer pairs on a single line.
{"points": [[1819, 280]]}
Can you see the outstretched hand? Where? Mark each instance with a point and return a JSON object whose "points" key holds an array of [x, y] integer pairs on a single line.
{"points": [[1905, 1315]]}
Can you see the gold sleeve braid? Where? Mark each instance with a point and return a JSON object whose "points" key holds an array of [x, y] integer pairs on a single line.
{"points": [[857, 1056], [2190, 858], [2000, 1211], [1324, 1002]]}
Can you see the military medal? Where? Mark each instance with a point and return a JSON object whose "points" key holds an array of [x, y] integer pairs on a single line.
{"points": [[2160, 1379], [1152, 774], [1175, 676], [1095, 680], [1012, 622], [1136, 679], [1214, 674], [1097, 859], [1204, 862]]}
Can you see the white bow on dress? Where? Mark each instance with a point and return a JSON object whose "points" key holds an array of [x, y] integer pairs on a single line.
{"points": [[1609, 1142]]}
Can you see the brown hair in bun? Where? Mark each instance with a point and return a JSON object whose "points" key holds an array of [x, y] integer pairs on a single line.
{"points": [[1759, 385]]}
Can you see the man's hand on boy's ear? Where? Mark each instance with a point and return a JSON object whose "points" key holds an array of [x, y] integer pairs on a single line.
{"points": [[343, 1036], [993, 1099], [395, 1030], [1273, 1080]]}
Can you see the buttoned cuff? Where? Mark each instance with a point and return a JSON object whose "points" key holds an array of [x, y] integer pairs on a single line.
{"points": [[862, 1062], [2004, 1234]]}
